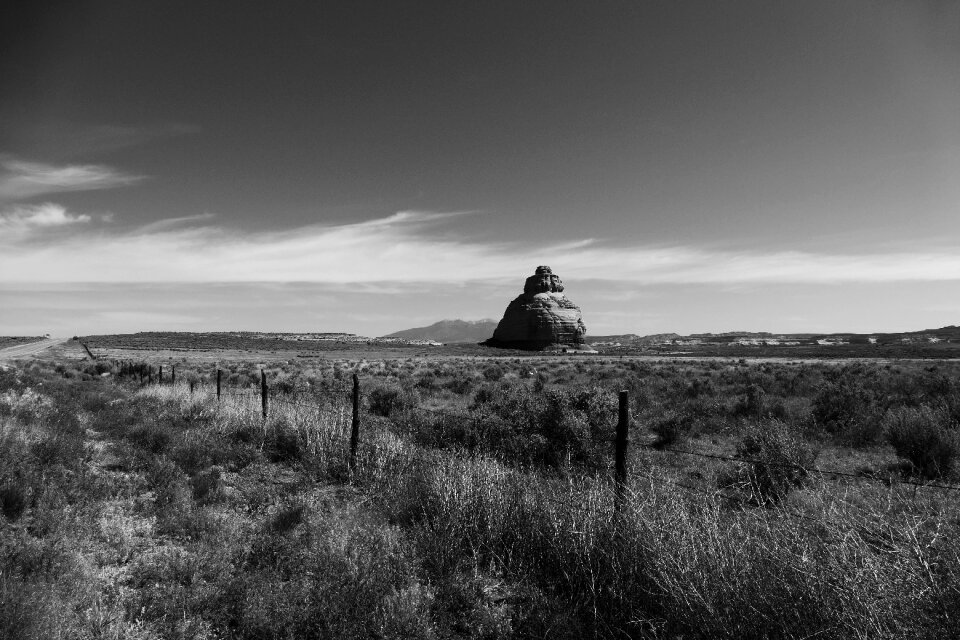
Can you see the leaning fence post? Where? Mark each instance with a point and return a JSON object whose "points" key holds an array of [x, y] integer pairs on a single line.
{"points": [[218, 384], [355, 426], [620, 453], [263, 392]]}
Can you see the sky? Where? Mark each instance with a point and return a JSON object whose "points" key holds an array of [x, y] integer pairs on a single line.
{"points": [[368, 167]]}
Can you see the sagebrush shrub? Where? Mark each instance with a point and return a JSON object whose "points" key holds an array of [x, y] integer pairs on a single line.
{"points": [[283, 443], [843, 405], [207, 486], [673, 427], [13, 501], [493, 373], [924, 436], [751, 403], [778, 463], [286, 518], [549, 427], [460, 385], [386, 400], [64, 449]]}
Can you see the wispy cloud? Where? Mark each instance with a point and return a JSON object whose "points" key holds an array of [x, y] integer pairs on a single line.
{"points": [[413, 247], [20, 179], [171, 223], [18, 220]]}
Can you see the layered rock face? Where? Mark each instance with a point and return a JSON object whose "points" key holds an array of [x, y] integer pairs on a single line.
{"points": [[542, 316]]}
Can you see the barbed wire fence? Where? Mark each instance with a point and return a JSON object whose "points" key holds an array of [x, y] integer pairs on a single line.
{"points": [[323, 394]]}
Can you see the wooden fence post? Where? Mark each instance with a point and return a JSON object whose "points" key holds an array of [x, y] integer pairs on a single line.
{"points": [[355, 425], [263, 392], [191, 387], [620, 453], [160, 375], [218, 384], [173, 375]]}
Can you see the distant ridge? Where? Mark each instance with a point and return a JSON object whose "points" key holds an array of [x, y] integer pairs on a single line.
{"points": [[632, 338], [946, 334], [450, 331]]}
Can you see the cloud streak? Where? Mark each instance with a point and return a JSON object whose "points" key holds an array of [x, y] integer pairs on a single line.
{"points": [[20, 179], [407, 247], [20, 220]]}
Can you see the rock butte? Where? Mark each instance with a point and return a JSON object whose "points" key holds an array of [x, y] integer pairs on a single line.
{"points": [[540, 317]]}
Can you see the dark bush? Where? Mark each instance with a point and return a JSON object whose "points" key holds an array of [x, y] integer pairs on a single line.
{"points": [[493, 372], [194, 451], [65, 449], [286, 518], [842, 405], [750, 404], [152, 438], [283, 443], [167, 481], [13, 501], [779, 460], [285, 385], [698, 388], [427, 382], [674, 427], [460, 385], [925, 437], [540, 383], [388, 400], [246, 433], [207, 486], [548, 428]]}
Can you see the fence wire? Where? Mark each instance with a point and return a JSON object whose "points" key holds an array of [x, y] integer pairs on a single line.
{"points": [[337, 391]]}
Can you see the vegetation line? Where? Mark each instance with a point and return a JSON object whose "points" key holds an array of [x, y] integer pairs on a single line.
{"points": [[781, 465]]}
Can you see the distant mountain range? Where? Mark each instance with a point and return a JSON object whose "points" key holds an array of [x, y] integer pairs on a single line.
{"points": [[448, 331]]}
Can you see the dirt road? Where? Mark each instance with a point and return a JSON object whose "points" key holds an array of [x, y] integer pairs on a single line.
{"points": [[29, 349]]}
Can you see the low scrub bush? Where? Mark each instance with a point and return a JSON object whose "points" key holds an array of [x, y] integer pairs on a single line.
{"points": [[13, 501], [778, 462], [388, 400], [493, 373], [207, 486], [926, 437], [460, 385], [286, 518], [283, 443], [63, 449], [750, 404], [673, 427], [427, 382], [843, 405], [552, 427], [151, 438]]}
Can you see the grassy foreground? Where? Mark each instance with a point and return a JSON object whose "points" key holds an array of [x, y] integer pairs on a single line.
{"points": [[153, 513]]}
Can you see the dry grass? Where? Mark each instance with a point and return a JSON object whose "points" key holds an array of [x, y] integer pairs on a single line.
{"points": [[157, 513]]}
